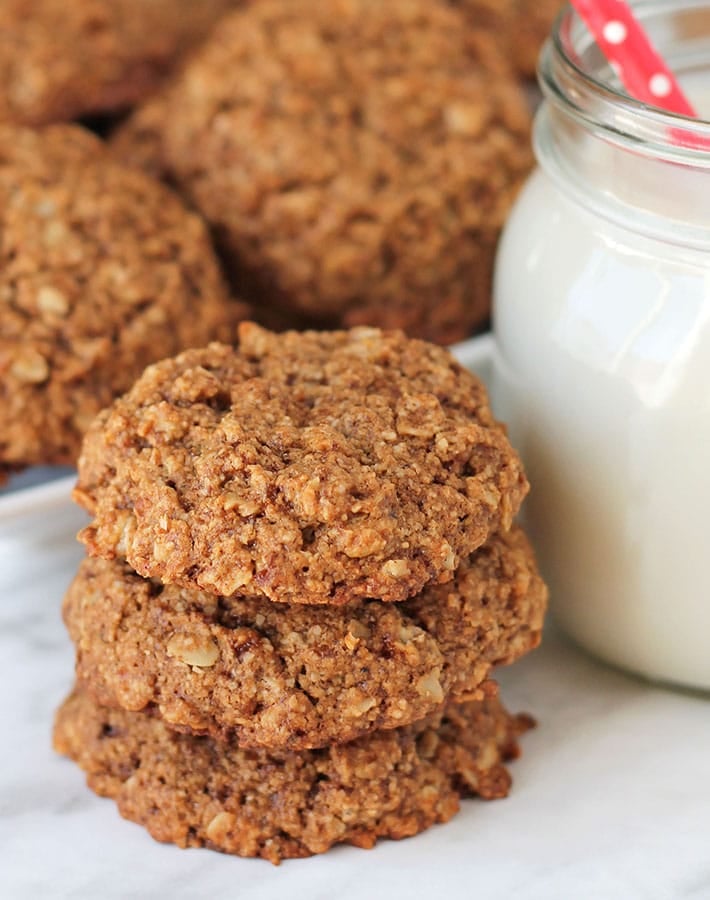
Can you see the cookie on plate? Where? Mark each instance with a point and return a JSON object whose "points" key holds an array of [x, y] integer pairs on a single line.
{"points": [[102, 271], [307, 467], [296, 676], [64, 60], [194, 792], [520, 26], [357, 160]]}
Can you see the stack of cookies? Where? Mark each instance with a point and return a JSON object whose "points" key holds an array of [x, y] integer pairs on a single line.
{"points": [[303, 570]]}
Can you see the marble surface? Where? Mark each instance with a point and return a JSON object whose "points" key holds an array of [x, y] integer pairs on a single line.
{"points": [[611, 796]]}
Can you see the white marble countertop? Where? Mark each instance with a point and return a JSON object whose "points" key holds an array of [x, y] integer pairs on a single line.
{"points": [[611, 796]]}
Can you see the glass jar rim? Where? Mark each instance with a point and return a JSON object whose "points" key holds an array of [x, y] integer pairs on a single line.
{"points": [[600, 106]]}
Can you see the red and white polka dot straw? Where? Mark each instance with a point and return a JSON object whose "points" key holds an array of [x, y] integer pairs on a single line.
{"points": [[624, 42]]}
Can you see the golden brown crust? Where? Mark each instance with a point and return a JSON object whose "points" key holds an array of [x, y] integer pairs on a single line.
{"points": [[64, 60], [102, 271], [197, 792], [357, 160], [305, 467], [300, 676]]}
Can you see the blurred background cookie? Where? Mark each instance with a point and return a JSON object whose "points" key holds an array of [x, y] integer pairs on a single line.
{"points": [[520, 26], [356, 160], [102, 271], [65, 59]]}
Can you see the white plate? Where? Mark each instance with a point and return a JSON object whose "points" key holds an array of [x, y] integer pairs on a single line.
{"points": [[43, 490], [36, 491]]}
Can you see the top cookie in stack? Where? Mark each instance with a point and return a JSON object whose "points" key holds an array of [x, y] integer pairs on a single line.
{"points": [[303, 467]]}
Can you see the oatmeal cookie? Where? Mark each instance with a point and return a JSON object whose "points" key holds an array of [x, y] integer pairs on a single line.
{"points": [[520, 26], [64, 60], [308, 467], [356, 159], [138, 141], [102, 271], [195, 792], [299, 676]]}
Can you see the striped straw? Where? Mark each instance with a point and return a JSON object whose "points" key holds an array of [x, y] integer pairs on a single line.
{"points": [[624, 42]]}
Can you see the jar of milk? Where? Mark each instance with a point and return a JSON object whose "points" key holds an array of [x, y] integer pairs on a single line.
{"points": [[602, 350]]}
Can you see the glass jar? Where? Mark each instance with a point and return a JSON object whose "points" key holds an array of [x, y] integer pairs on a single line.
{"points": [[602, 350]]}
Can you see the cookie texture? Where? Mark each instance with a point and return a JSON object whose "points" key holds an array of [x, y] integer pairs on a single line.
{"points": [[314, 467], [194, 792], [64, 60], [102, 271], [356, 159], [300, 676], [519, 26]]}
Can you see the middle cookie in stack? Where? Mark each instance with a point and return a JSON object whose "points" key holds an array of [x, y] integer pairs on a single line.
{"points": [[266, 495]]}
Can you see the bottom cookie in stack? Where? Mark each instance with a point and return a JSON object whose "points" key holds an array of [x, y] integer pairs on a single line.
{"points": [[196, 791]]}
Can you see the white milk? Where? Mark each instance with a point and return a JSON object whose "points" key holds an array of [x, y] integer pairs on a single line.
{"points": [[602, 323]]}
